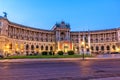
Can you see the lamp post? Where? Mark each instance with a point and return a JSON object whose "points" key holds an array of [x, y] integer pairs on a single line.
{"points": [[83, 44]]}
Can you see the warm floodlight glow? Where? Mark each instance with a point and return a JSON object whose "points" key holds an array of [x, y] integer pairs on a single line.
{"points": [[117, 49], [83, 43], [87, 47], [17, 49], [7, 47]]}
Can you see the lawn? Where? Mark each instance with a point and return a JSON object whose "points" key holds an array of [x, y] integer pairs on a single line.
{"points": [[47, 56]]}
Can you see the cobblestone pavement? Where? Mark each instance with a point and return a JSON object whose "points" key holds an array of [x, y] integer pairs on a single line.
{"points": [[61, 70]]}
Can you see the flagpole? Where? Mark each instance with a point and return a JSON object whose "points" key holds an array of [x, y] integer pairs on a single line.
{"points": [[83, 46], [79, 41], [89, 42]]}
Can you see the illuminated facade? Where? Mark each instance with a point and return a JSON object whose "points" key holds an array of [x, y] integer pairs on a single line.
{"points": [[21, 40]]}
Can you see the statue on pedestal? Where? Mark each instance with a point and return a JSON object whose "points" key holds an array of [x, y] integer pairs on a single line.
{"points": [[5, 14]]}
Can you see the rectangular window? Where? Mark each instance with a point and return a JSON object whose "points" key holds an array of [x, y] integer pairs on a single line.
{"points": [[0, 24], [65, 46]]}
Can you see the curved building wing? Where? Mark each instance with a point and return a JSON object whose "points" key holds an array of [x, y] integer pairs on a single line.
{"points": [[17, 39]]}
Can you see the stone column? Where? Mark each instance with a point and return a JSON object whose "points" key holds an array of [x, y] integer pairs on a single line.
{"points": [[59, 35], [79, 43], [24, 50], [67, 35], [56, 35]]}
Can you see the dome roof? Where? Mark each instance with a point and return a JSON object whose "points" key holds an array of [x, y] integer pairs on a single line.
{"points": [[62, 25]]}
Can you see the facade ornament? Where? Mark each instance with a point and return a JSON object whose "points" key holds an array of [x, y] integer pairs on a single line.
{"points": [[5, 14]]}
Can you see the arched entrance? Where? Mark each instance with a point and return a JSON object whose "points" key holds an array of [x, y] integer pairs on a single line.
{"points": [[32, 49], [27, 49]]}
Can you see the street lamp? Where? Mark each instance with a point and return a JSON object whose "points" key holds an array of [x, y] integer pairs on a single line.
{"points": [[83, 44]]}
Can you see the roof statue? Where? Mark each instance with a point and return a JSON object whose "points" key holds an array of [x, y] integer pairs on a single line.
{"points": [[5, 14]]}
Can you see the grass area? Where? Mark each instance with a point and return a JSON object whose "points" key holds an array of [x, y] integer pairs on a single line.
{"points": [[47, 56]]}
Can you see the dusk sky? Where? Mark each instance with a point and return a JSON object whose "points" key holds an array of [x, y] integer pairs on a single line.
{"points": [[80, 14]]}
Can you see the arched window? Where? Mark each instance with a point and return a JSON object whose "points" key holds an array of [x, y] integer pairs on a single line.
{"points": [[107, 39], [88, 50], [108, 47], [37, 39], [101, 39], [102, 48], [37, 46], [76, 40], [96, 40], [113, 47], [86, 39], [32, 47], [92, 48], [46, 48], [51, 48], [91, 40], [10, 46], [97, 48], [42, 47], [62, 35], [27, 47]]}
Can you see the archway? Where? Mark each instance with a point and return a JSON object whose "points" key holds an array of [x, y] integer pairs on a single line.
{"points": [[51, 48], [42, 48], [108, 49], [97, 48], [37, 49], [27, 49], [113, 47], [32, 49], [46, 48], [102, 48]]}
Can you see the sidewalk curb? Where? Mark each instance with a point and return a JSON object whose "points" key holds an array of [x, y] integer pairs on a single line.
{"points": [[52, 59], [109, 78]]}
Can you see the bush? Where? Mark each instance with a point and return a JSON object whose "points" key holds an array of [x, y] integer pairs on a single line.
{"points": [[1, 56], [30, 54], [35, 54], [53, 53], [44, 53], [70, 52], [50, 53], [60, 52]]}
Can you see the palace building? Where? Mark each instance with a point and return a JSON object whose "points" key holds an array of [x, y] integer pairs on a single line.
{"points": [[16, 38]]}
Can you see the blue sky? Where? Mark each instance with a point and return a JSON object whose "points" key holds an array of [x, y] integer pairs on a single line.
{"points": [[80, 14]]}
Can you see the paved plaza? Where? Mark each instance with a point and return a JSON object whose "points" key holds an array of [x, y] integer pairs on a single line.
{"points": [[89, 69]]}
